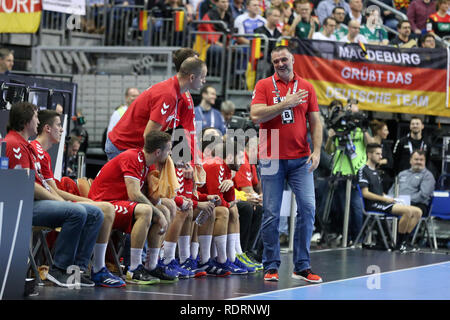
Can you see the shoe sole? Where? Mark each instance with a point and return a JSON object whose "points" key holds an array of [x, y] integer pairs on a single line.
{"points": [[141, 282], [218, 275], [295, 276], [64, 285], [200, 274], [168, 281], [271, 279], [108, 286]]}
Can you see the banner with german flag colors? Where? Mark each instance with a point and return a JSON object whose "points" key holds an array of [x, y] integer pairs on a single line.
{"points": [[255, 55], [381, 78], [179, 21], [20, 16]]}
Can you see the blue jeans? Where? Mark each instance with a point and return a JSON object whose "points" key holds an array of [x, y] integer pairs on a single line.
{"points": [[80, 224], [111, 150], [295, 172]]}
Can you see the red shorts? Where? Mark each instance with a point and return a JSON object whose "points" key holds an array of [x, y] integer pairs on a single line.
{"points": [[124, 215]]}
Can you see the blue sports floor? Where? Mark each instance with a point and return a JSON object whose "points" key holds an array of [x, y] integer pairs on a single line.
{"points": [[348, 274], [430, 282]]}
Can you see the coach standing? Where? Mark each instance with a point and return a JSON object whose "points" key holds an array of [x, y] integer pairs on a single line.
{"points": [[283, 104]]}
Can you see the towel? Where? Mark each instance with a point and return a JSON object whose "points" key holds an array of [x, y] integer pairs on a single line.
{"points": [[199, 178], [163, 184]]}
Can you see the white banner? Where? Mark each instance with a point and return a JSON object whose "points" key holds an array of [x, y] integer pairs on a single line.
{"points": [[77, 7]]}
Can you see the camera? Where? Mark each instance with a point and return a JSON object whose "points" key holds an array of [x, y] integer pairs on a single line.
{"points": [[342, 120], [242, 122]]}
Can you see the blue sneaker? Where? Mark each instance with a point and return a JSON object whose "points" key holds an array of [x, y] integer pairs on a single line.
{"points": [[182, 273], [192, 265], [213, 268], [238, 263], [105, 278], [228, 265]]}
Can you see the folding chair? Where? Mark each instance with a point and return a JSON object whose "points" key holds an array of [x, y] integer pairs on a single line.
{"points": [[376, 218], [39, 233], [440, 208]]}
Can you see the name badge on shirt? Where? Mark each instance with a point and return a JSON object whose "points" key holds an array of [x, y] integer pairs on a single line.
{"points": [[287, 116]]}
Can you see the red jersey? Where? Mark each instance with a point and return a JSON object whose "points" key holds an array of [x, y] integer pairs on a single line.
{"points": [[293, 135], [160, 103], [187, 121], [22, 155], [246, 176], [186, 190], [44, 159], [109, 185], [216, 172]]}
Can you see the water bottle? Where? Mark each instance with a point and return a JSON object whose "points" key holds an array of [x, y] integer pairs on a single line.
{"points": [[4, 161], [202, 215]]}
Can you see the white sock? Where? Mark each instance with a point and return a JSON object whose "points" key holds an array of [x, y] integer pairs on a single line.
{"points": [[237, 242], [135, 258], [184, 248], [205, 247], [221, 246], [231, 247], [152, 258], [169, 251], [99, 256], [194, 249], [213, 250]]}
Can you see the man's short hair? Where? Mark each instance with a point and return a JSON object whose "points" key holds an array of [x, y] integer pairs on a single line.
{"points": [[73, 139], [156, 140], [372, 146], [420, 153], [127, 91], [232, 146], [416, 118], [325, 22], [20, 114], [297, 2], [427, 35], [192, 65], [337, 8], [182, 54], [46, 117], [270, 11], [281, 48], [227, 106], [438, 3], [4, 52], [205, 89], [399, 26]]}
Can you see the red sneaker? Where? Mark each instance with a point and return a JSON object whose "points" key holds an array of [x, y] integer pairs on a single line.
{"points": [[307, 275], [271, 275]]}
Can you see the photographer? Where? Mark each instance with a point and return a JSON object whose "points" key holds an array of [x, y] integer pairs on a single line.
{"points": [[347, 139]]}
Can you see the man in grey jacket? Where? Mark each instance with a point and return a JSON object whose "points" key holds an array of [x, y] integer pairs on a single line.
{"points": [[418, 182]]}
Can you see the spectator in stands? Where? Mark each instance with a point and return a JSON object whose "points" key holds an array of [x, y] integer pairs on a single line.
{"points": [[130, 95], [227, 109], [417, 182], [206, 114], [385, 167], [418, 13], [6, 60], [389, 18], [247, 22], [404, 39], [355, 13], [428, 41], [341, 29], [73, 146], [438, 23], [80, 224], [405, 146], [287, 18], [237, 8], [49, 133], [273, 16], [326, 7], [373, 30], [304, 25], [205, 6], [353, 35], [220, 13], [376, 200], [327, 33]]}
